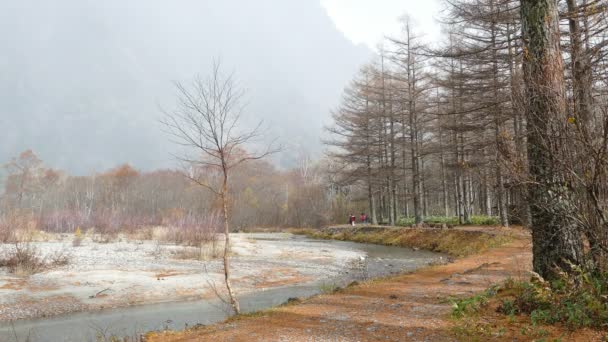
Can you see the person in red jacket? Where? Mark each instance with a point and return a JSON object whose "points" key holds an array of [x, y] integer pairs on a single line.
{"points": [[363, 218], [352, 220]]}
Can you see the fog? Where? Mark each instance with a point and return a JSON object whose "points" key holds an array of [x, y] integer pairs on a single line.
{"points": [[82, 81]]}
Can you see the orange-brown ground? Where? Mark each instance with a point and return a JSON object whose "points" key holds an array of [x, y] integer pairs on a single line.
{"points": [[412, 307]]}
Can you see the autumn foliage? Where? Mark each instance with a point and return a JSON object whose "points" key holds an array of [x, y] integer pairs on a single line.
{"points": [[126, 199]]}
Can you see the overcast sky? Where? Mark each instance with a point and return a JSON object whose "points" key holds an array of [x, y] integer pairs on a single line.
{"points": [[82, 80], [367, 21]]}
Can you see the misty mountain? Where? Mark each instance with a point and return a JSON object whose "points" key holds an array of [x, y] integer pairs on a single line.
{"points": [[82, 81]]}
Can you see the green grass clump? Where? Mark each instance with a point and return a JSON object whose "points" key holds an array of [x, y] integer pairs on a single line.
{"points": [[406, 221], [576, 300], [471, 305], [480, 220], [477, 220]]}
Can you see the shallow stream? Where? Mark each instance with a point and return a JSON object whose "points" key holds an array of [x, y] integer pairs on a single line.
{"points": [[131, 321]]}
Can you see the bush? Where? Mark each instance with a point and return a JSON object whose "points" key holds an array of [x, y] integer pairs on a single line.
{"points": [[478, 220], [406, 221], [481, 220], [576, 300], [468, 306], [25, 259], [17, 225], [451, 220], [6, 233], [193, 231]]}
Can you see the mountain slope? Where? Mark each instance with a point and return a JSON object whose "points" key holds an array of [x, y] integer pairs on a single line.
{"points": [[82, 81]]}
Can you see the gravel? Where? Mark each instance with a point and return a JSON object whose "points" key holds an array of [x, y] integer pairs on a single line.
{"points": [[122, 273]]}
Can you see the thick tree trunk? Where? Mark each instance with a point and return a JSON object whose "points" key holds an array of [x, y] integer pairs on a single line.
{"points": [[556, 239]]}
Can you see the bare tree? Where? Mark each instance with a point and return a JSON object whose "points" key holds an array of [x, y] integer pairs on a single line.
{"points": [[207, 120]]}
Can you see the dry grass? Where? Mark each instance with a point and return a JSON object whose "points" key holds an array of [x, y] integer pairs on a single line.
{"points": [[455, 242], [207, 251], [25, 259]]}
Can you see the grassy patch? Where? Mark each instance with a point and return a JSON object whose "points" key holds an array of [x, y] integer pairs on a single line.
{"points": [[471, 305], [329, 288], [573, 305], [457, 243], [477, 220], [576, 300]]}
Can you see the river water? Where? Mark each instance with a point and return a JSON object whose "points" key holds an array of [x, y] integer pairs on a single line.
{"points": [[131, 321]]}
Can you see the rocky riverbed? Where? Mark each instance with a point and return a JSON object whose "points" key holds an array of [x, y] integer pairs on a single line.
{"points": [[127, 272]]}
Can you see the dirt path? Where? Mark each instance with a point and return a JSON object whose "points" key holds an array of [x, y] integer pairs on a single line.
{"points": [[411, 307]]}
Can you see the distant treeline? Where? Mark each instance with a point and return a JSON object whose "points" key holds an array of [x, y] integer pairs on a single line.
{"points": [[124, 198]]}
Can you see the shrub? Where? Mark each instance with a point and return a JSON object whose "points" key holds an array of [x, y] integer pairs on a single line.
{"points": [[193, 231], [25, 259], [405, 221], [478, 220], [481, 220], [17, 225], [328, 288], [6, 233], [471, 305], [206, 251], [451, 220], [577, 300]]}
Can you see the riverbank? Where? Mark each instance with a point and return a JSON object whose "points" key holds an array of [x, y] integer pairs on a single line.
{"points": [[125, 273], [273, 268], [411, 307], [458, 242]]}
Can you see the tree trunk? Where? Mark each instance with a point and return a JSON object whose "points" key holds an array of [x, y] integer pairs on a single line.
{"points": [[498, 127], [233, 301], [581, 71], [444, 183], [486, 192], [555, 236], [370, 193], [425, 199], [501, 197]]}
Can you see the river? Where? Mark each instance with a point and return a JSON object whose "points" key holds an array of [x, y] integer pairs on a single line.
{"points": [[378, 261]]}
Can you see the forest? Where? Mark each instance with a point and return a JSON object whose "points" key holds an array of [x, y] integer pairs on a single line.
{"points": [[475, 126], [507, 118], [502, 123]]}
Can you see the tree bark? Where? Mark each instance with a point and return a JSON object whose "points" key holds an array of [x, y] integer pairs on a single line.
{"points": [[226, 257], [555, 237]]}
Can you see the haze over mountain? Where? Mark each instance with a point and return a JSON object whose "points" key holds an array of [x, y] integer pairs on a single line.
{"points": [[81, 81]]}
